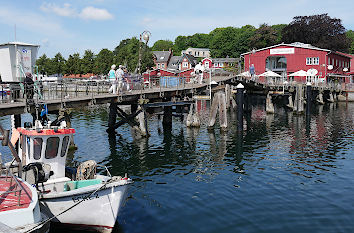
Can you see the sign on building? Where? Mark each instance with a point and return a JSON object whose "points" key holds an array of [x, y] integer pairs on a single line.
{"points": [[282, 51]]}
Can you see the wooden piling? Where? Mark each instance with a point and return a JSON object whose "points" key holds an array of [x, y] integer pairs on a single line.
{"points": [[239, 102], [319, 98], [112, 115], [167, 117], [227, 95], [213, 110], [290, 102], [223, 110], [142, 119], [269, 105]]}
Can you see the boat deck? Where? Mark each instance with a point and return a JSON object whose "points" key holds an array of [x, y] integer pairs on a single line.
{"points": [[12, 196]]}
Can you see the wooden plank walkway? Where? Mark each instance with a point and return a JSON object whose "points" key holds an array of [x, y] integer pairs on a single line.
{"points": [[152, 94]]}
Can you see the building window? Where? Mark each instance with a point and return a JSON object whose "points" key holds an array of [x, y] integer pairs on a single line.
{"points": [[329, 61], [162, 65], [158, 65], [221, 64], [312, 60], [336, 62], [276, 63], [206, 64], [203, 53], [185, 64]]}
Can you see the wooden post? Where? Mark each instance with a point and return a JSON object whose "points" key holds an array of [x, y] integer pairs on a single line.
{"points": [[239, 102], [308, 98], [331, 100], [142, 118], [213, 110], [299, 100], [223, 110], [112, 116], [269, 105], [290, 102], [319, 98], [196, 120], [167, 117], [227, 95]]}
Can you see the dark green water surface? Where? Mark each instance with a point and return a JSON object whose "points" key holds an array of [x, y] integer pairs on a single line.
{"points": [[283, 173]]}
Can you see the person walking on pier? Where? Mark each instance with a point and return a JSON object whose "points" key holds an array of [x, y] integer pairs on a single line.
{"points": [[119, 76], [112, 79], [28, 83]]}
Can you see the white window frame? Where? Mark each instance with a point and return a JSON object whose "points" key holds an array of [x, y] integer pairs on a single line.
{"points": [[158, 65], [162, 65], [185, 64]]}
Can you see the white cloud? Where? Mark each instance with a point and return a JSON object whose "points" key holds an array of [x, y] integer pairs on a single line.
{"points": [[31, 22], [95, 14], [87, 13], [66, 10]]}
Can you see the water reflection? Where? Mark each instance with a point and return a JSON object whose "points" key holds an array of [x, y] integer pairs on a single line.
{"points": [[273, 170]]}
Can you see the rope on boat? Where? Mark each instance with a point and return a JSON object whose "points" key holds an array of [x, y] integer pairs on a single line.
{"points": [[50, 219]]}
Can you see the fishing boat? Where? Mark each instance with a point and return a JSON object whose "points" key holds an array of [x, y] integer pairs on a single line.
{"points": [[19, 203], [78, 197]]}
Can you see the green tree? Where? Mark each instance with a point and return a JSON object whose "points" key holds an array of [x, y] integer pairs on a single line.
{"points": [[318, 30], [230, 41], [43, 64], [87, 62], [127, 54], [162, 45], [73, 65], [264, 36], [58, 64], [103, 62], [350, 36], [279, 28]]}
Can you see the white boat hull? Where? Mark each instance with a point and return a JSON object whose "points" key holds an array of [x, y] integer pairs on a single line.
{"points": [[98, 211]]}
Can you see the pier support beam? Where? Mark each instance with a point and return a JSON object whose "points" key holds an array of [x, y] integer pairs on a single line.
{"points": [[213, 110], [290, 102], [239, 102], [223, 110], [227, 95], [142, 119], [308, 98], [319, 98], [112, 115], [331, 99], [299, 100], [167, 117], [219, 103], [269, 105], [193, 116]]}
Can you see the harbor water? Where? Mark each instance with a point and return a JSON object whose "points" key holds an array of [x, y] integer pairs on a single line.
{"points": [[283, 173]]}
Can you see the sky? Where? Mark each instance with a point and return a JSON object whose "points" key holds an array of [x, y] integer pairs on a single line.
{"points": [[70, 26]]}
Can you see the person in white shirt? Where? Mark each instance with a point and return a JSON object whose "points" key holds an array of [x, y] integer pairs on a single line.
{"points": [[112, 79], [119, 77]]}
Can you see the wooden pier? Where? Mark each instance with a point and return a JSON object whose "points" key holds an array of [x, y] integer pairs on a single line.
{"points": [[295, 94]]}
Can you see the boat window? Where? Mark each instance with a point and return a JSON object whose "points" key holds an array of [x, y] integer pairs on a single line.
{"points": [[52, 147], [64, 146], [37, 148], [28, 146]]}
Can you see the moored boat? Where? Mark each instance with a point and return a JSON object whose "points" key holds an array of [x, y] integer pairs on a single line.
{"points": [[19, 205], [77, 197]]}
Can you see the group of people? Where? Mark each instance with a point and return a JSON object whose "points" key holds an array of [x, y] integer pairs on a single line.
{"points": [[118, 78]]}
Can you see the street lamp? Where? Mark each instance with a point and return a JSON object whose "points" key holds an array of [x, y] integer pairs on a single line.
{"points": [[145, 35]]}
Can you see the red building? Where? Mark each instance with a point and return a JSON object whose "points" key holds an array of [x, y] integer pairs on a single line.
{"points": [[288, 58], [219, 63]]}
